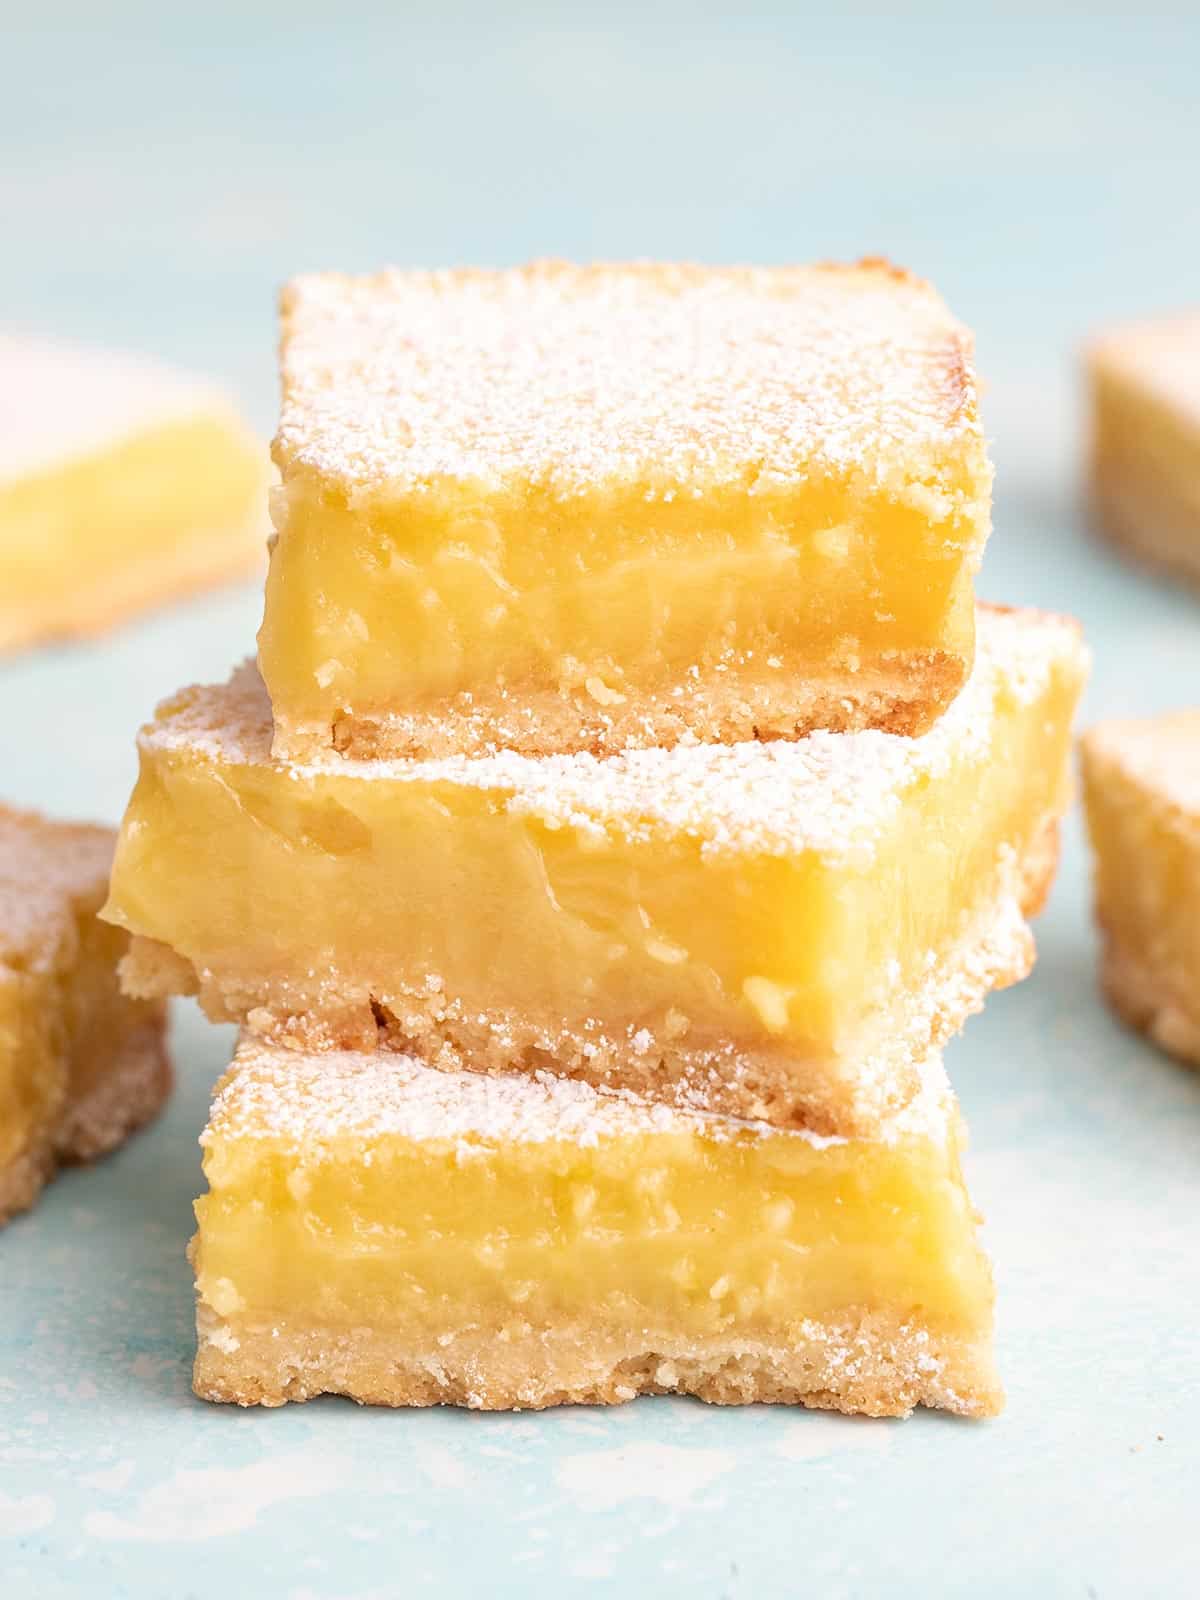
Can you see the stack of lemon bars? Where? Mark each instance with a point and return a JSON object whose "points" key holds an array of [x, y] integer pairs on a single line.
{"points": [[627, 803]]}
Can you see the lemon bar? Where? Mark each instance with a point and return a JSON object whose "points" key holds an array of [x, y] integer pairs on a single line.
{"points": [[378, 1229], [81, 1065], [121, 485], [1145, 447], [594, 508], [1141, 782], [768, 930]]}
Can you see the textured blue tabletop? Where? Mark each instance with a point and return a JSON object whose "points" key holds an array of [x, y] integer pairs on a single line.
{"points": [[161, 169]]}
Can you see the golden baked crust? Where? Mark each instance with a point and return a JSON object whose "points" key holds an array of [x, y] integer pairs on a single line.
{"points": [[875, 1365], [724, 705]]}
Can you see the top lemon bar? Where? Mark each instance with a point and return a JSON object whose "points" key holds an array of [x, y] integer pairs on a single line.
{"points": [[122, 484], [564, 508]]}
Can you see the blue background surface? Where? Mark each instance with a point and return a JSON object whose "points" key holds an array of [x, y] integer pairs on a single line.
{"points": [[161, 170]]}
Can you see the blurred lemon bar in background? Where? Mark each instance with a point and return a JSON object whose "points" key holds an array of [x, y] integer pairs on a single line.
{"points": [[410, 1237], [122, 485], [778, 930], [1145, 444], [1141, 782], [81, 1065], [595, 508]]}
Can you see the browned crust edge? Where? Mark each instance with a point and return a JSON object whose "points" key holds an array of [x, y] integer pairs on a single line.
{"points": [[868, 1363], [904, 696]]}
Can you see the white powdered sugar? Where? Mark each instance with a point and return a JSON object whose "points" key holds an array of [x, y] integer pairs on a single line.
{"points": [[305, 1100], [680, 378]]}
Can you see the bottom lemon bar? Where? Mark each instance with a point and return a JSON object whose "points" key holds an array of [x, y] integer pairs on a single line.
{"points": [[1141, 781], [81, 1065], [380, 1229]]}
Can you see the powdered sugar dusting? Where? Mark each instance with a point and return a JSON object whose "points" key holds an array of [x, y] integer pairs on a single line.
{"points": [[831, 793], [58, 403], [46, 868], [306, 1099], [678, 377]]}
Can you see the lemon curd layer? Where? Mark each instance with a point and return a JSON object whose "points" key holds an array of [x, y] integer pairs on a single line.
{"points": [[376, 1228], [80, 1063], [565, 508], [769, 930], [1141, 781], [120, 485]]}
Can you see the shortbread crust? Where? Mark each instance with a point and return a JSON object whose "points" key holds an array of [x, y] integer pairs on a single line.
{"points": [[674, 1252], [564, 508]]}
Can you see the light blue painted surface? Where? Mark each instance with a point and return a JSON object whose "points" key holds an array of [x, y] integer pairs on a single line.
{"points": [[159, 173]]}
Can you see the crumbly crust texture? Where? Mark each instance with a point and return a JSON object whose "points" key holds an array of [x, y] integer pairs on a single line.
{"points": [[997, 950], [724, 705], [875, 1364], [574, 379], [130, 1095]]}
